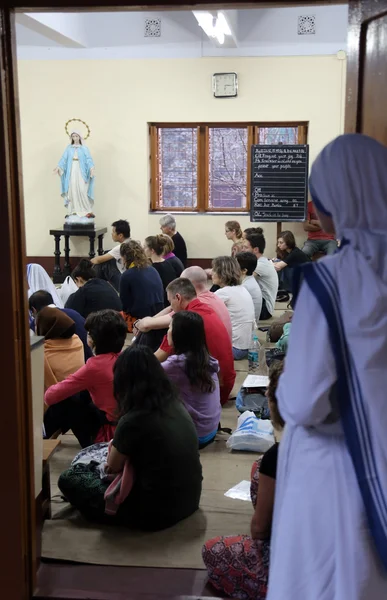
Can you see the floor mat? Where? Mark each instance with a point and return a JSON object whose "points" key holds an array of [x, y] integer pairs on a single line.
{"points": [[69, 537]]}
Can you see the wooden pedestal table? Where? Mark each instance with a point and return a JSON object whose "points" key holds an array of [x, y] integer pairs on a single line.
{"points": [[58, 275]]}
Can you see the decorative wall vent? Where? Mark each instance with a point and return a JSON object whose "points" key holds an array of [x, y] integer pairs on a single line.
{"points": [[306, 24], [152, 28]]}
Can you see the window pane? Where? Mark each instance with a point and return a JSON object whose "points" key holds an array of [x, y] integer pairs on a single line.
{"points": [[177, 167], [278, 135], [227, 168]]}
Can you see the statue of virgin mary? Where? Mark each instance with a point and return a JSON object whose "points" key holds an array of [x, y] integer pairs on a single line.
{"points": [[76, 170]]}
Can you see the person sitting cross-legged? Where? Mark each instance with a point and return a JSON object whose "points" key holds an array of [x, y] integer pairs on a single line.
{"points": [[318, 240], [170, 256], [288, 257], [238, 565], [156, 436], [182, 296], [109, 266], [154, 250], [63, 350], [198, 278], [195, 373], [141, 288], [40, 299], [93, 294], [168, 226], [254, 241], [227, 274], [248, 263], [96, 420]]}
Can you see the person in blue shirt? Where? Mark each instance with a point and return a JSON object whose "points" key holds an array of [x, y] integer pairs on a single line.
{"points": [[41, 299], [141, 288]]}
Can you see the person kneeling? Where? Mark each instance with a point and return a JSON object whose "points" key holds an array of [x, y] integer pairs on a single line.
{"points": [[94, 421], [156, 434]]}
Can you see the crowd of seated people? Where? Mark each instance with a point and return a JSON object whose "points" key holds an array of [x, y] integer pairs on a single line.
{"points": [[155, 408], [156, 436]]}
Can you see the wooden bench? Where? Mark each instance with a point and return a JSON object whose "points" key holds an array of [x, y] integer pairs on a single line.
{"points": [[49, 448]]}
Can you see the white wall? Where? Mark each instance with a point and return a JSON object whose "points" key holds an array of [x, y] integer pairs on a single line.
{"points": [[118, 98]]}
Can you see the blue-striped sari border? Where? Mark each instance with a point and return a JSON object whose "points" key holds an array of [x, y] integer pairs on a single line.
{"points": [[353, 415]]}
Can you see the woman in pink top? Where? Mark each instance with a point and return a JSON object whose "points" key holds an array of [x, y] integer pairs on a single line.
{"points": [[95, 421]]}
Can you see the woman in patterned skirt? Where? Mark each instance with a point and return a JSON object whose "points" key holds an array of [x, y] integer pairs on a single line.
{"points": [[239, 565]]}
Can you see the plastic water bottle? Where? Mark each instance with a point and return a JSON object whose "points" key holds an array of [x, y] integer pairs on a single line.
{"points": [[253, 355]]}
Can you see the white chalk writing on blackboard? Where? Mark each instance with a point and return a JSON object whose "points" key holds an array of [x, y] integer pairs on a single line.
{"points": [[279, 182]]}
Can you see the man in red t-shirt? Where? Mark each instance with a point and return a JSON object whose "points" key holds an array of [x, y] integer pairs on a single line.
{"points": [[318, 240], [182, 296]]}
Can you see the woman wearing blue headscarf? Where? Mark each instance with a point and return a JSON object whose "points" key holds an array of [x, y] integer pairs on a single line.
{"points": [[329, 538]]}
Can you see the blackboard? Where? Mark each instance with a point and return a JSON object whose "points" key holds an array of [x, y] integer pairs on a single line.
{"points": [[279, 183]]}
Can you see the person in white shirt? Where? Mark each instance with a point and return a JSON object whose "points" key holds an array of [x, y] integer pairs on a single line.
{"points": [[105, 268], [227, 274], [265, 273], [248, 263]]}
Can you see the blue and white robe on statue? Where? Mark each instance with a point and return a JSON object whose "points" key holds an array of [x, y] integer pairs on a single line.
{"points": [[77, 185]]}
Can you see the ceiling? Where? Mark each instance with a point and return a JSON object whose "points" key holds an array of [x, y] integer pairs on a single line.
{"points": [[285, 31]]}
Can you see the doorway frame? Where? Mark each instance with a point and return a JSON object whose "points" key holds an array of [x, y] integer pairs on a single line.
{"points": [[17, 504]]}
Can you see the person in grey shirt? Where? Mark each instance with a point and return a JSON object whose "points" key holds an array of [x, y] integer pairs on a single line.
{"points": [[265, 273], [248, 263]]}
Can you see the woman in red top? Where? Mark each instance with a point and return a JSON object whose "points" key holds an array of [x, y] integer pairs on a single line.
{"points": [[95, 421]]}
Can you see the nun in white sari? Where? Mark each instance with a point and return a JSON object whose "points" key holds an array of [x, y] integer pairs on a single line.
{"points": [[329, 539]]}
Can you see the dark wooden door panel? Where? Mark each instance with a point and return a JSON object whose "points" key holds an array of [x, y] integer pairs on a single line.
{"points": [[373, 100], [367, 69]]}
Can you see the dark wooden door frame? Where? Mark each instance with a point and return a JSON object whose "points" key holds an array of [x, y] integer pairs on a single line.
{"points": [[360, 15], [16, 441], [17, 573]]}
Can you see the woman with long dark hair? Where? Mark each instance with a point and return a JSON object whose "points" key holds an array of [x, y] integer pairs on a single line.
{"points": [[288, 257], [195, 373], [156, 434]]}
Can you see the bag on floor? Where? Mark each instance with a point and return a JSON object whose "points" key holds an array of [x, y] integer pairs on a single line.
{"points": [[273, 354], [67, 288], [256, 402], [252, 434]]}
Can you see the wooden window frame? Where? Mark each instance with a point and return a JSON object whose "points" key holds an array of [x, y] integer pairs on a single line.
{"points": [[203, 161]]}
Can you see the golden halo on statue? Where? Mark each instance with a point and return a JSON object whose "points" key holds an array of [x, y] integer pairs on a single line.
{"points": [[78, 121]]}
